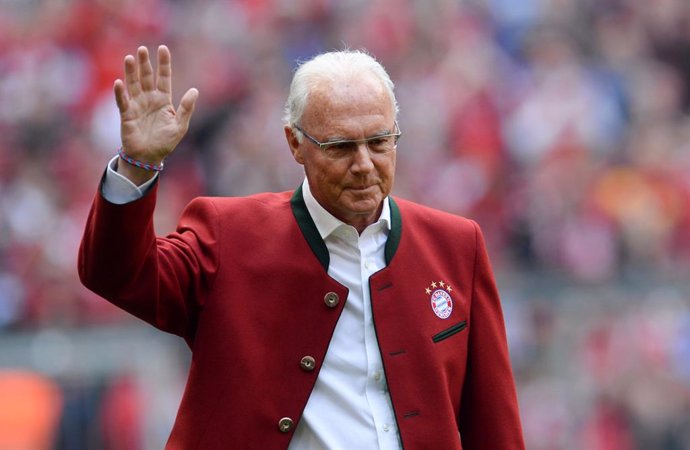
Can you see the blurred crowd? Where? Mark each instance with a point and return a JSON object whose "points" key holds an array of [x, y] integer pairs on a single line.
{"points": [[561, 126]]}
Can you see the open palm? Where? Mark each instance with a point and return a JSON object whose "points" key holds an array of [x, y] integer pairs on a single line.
{"points": [[150, 126]]}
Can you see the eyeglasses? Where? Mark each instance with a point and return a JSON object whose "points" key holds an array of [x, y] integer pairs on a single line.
{"points": [[380, 144]]}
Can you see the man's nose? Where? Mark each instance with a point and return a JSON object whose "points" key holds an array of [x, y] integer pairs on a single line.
{"points": [[361, 159]]}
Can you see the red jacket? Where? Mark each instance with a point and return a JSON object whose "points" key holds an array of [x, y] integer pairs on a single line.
{"points": [[244, 281]]}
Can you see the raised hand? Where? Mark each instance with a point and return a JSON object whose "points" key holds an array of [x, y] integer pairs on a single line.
{"points": [[150, 126]]}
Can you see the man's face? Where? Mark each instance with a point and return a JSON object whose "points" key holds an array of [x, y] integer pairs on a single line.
{"points": [[352, 189]]}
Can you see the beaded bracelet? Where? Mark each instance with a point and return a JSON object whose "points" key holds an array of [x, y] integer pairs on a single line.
{"points": [[134, 162]]}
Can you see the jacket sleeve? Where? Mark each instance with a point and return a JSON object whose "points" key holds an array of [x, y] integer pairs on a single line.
{"points": [[489, 416], [163, 281]]}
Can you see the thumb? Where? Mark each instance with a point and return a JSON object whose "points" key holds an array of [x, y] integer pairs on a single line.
{"points": [[186, 108]]}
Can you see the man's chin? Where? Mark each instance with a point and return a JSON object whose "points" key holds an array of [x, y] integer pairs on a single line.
{"points": [[364, 207], [365, 191]]}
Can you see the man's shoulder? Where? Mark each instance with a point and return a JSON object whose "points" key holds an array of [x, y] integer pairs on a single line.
{"points": [[416, 214], [251, 211], [267, 201]]}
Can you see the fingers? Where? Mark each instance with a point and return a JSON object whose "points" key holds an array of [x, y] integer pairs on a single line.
{"points": [[132, 76], [139, 78], [139, 72], [164, 70], [145, 69], [186, 108], [121, 96]]}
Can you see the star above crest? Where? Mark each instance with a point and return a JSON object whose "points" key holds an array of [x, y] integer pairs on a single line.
{"points": [[435, 285]]}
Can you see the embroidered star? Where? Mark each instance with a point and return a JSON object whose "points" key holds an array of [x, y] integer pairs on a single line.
{"points": [[448, 288], [433, 284], [428, 291], [442, 283]]}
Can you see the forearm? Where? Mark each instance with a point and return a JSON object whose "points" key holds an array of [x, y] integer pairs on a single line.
{"points": [[116, 241], [120, 261], [160, 280]]}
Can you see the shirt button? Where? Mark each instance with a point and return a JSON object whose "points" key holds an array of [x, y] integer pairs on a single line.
{"points": [[307, 363], [285, 424], [331, 299], [386, 427], [377, 376]]}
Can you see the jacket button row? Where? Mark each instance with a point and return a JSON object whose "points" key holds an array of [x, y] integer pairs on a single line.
{"points": [[307, 363], [285, 424], [331, 299]]}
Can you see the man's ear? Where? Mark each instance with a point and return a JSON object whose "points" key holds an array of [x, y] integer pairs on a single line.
{"points": [[294, 144]]}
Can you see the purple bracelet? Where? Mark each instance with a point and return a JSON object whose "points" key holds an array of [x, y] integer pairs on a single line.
{"points": [[134, 162]]}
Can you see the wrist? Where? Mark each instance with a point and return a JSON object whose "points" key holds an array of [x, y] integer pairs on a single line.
{"points": [[135, 174], [144, 165]]}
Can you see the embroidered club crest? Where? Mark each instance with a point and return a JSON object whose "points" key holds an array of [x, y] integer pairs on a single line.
{"points": [[441, 301]]}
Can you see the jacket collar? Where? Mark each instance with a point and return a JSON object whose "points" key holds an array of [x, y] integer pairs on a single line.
{"points": [[313, 237], [326, 223]]}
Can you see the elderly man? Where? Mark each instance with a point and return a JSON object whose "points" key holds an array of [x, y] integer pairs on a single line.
{"points": [[334, 316]]}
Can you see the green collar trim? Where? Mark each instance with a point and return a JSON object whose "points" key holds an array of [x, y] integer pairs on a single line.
{"points": [[318, 246], [395, 233], [308, 227]]}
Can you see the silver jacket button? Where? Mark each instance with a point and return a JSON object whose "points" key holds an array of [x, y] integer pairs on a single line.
{"points": [[331, 299], [307, 363], [285, 424]]}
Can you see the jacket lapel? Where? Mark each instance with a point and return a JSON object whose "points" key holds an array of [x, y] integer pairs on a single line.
{"points": [[313, 238]]}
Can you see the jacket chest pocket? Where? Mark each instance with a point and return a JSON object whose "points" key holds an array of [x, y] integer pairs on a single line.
{"points": [[448, 332]]}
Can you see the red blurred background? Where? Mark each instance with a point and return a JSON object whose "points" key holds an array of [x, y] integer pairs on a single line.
{"points": [[561, 126]]}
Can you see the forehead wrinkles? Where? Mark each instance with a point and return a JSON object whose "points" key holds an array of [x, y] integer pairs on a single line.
{"points": [[346, 97]]}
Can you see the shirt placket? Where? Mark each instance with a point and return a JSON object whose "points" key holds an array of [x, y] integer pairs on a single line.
{"points": [[376, 387]]}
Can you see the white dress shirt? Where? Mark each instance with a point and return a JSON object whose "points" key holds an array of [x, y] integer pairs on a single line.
{"points": [[350, 407]]}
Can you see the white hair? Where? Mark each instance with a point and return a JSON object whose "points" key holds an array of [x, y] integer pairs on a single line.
{"points": [[331, 66]]}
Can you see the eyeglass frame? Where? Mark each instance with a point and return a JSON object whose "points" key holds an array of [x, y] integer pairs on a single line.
{"points": [[325, 145]]}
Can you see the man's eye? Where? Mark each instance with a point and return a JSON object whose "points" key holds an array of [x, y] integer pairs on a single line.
{"points": [[345, 146], [382, 144]]}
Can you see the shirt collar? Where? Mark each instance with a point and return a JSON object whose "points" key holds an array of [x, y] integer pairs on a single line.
{"points": [[326, 223]]}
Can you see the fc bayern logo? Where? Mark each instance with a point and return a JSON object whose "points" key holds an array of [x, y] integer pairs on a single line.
{"points": [[441, 303]]}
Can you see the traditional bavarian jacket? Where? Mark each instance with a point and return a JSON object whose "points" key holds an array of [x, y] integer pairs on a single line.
{"points": [[244, 281]]}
